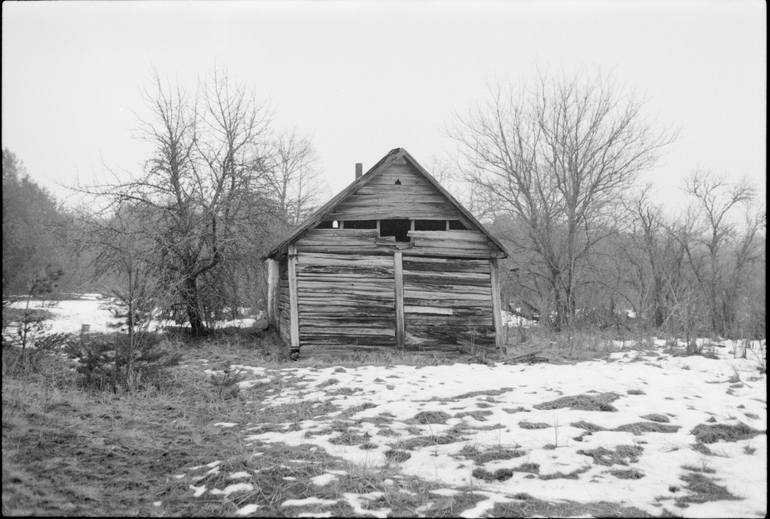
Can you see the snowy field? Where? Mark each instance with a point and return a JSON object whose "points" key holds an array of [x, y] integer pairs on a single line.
{"points": [[503, 430], [93, 309], [664, 434]]}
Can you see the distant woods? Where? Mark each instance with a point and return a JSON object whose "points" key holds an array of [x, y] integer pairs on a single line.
{"points": [[556, 168]]}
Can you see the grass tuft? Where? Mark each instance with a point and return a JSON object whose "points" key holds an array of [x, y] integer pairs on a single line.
{"points": [[534, 425], [705, 433], [584, 402]]}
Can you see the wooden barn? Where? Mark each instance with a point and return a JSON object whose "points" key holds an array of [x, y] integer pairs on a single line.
{"points": [[391, 261]]}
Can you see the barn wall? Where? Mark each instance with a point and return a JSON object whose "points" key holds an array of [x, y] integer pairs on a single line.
{"points": [[448, 302], [460, 244], [345, 300], [382, 198]]}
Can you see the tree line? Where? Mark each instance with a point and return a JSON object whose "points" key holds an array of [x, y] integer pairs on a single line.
{"points": [[554, 167]]}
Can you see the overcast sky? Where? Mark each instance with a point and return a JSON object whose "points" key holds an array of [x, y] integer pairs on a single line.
{"points": [[362, 78]]}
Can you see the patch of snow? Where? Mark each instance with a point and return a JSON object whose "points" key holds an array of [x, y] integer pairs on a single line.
{"points": [[198, 491], [247, 509], [239, 475], [354, 500], [225, 424], [323, 479], [235, 487], [308, 501]]}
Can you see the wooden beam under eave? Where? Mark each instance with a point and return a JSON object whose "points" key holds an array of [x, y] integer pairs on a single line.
{"points": [[398, 273], [497, 316], [293, 302]]}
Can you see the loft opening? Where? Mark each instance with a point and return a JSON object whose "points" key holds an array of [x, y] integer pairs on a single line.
{"points": [[360, 224], [328, 224], [397, 228], [430, 225], [457, 225]]}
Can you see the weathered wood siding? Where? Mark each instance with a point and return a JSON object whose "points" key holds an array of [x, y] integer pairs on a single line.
{"points": [[448, 301], [382, 198], [283, 301], [345, 300], [457, 244]]}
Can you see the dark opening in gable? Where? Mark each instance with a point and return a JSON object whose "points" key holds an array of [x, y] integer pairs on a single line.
{"points": [[360, 224], [430, 225], [329, 224], [397, 228], [457, 225], [398, 182]]}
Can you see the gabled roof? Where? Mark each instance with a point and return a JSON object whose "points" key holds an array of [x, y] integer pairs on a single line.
{"points": [[383, 163]]}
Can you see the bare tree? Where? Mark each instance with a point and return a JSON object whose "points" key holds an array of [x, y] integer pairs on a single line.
{"points": [[556, 159], [294, 179], [208, 156], [720, 253]]}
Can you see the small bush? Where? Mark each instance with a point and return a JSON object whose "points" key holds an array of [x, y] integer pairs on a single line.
{"points": [[103, 360]]}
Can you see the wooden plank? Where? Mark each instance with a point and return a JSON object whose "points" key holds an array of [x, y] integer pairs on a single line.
{"points": [[273, 287], [460, 236], [399, 294], [450, 253], [431, 310], [496, 306], [293, 301]]}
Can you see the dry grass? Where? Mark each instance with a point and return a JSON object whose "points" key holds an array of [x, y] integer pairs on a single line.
{"points": [[585, 402], [705, 433], [622, 455]]}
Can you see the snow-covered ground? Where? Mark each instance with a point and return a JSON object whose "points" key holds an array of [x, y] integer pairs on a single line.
{"points": [[491, 426], [494, 409], [93, 309]]}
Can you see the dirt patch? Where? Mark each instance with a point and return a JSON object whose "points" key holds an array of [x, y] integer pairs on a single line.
{"points": [[534, 425], [646, 427], [425, 441], [622, 455], [498, 475], [481, 457], [565, 475], [513, 410], [703, 489], [584, 402], [636, 392], [431, 417], [479, 415], [397, 456], [656, 417], [705, 433], [528, 506], [627, 473], [588, 426]]}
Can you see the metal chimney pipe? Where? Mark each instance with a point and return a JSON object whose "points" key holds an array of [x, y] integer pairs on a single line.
{"points": [[359, 170]]}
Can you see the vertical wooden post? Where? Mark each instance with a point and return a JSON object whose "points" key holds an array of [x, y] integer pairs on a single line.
{"points": [[398, 274], [496, 306], [293, 303], [272, 292]]}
